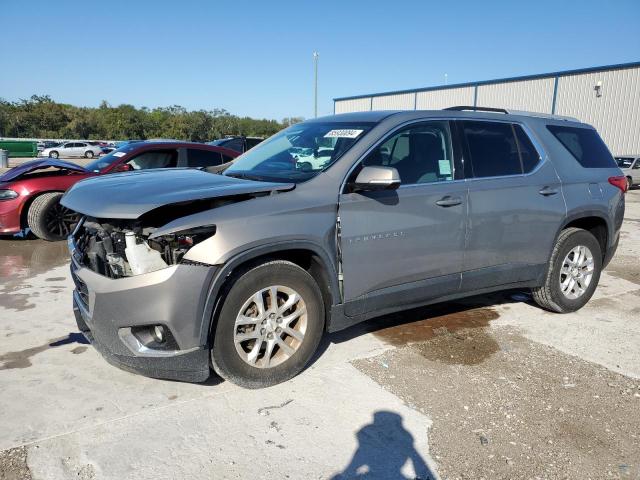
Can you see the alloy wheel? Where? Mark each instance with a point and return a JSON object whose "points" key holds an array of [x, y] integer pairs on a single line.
{"points": [[59, 220], [576, 272], [270, 326]]}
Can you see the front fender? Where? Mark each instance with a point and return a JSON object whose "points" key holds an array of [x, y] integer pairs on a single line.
{"points": [[215, 289]]}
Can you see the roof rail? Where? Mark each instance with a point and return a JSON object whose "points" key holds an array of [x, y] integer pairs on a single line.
{"points": [[544, 115], [513, 112], [461, 108]]}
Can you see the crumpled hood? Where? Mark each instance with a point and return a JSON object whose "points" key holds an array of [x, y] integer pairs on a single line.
{"points": [[130, 195], [32, 165]]}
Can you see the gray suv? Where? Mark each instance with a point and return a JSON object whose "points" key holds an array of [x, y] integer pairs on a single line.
{"points": [[180, 271]]}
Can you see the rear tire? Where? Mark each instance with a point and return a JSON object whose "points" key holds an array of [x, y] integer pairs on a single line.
{"points": [[255, 363], [54, 154], [557, 293], [88, 154], [49, 220]]}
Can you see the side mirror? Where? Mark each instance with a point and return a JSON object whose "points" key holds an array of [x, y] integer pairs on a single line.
{"points": [[123, 167], [377, 178]]}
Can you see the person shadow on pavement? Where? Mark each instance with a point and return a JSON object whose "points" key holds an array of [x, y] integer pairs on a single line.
{"points": [[384, 447]]}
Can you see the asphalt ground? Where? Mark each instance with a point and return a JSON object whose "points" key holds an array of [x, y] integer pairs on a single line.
{"points": [[489, 387]]}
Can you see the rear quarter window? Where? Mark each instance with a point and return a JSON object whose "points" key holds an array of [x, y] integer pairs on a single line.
{"points": [[585, 145]]}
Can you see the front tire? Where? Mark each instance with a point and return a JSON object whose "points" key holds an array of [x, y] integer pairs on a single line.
{"points": [[48, 219], [88, 154], [54, 154], [269, 327], [573, 272], [629, 183]]}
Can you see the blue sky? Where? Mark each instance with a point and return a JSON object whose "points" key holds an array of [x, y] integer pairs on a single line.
{"points": [[255, 58]]}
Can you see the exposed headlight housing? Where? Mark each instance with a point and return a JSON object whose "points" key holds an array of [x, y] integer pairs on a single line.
{"points": [[175, 245], [7, 194]]}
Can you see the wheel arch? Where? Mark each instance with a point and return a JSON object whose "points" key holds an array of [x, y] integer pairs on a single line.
{"points": [[594, 222], [305, 254]]}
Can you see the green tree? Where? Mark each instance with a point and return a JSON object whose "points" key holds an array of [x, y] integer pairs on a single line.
{"points": [[41, 117]]}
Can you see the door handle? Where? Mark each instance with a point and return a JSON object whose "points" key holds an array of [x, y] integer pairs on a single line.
{"points": [[448, 201], [547, 191]]}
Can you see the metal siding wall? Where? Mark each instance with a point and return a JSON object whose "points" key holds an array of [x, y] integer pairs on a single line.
{"points": [[449, 97], [403, 101], [529, 95], [353, 105], [616, 114]]}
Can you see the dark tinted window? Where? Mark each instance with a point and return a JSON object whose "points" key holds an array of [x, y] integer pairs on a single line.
{"points": [[420, 153], [528, 153], [202, 158], [493, 149], [234, 144], [154, 159], [252, 142], [226, 158], [624, 162], [585, 145]]}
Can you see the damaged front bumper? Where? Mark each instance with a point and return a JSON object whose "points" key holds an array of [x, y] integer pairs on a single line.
{"points": [[116, 315]]}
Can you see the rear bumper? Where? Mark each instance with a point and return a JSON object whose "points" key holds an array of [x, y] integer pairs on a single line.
{"points": [[107, 309]]}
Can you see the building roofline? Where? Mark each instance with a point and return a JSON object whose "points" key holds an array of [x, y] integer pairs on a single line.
{"points": [[563, 73]]}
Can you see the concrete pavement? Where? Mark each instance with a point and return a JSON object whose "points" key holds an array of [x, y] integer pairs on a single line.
{"points": [[474, 389]]}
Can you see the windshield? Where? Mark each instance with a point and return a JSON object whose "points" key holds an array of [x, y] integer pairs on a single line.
{"points": [[103, 162], [624, 162], [298, 153]]}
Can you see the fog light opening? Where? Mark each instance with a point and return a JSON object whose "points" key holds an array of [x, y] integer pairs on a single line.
{"points": [[158, 334]]}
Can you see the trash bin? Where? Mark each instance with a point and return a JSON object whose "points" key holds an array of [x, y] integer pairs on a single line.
{"points": [[4, 158]]}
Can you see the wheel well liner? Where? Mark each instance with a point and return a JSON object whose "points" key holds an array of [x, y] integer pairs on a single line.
{"points": [[595, 224], [307, 255]]}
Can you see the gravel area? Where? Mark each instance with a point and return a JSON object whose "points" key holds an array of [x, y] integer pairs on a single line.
{"points": [[503, 407], [13, 464]]}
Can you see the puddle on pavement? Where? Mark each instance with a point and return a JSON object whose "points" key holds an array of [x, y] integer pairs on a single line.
{"points": [[464, 347], [450, 333], [22, 358], [439, 319], [22, 259]]}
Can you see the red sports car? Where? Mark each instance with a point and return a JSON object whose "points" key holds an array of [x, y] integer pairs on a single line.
{"points": [[30, 193]]}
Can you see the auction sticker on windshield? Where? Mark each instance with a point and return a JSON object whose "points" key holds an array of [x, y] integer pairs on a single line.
{"points": [[119, 154], [344, 133]]}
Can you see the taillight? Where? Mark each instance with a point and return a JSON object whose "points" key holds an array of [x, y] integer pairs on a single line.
{"points": [[619, 181]]}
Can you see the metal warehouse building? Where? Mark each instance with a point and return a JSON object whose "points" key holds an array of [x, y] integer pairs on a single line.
{"points": [[606, 97]]}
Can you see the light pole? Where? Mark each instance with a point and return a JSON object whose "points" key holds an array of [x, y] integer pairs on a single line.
{"points": [[315, 84]]}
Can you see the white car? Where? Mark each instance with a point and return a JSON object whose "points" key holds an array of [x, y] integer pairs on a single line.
{"points": [[630, 166], [72, 149]]}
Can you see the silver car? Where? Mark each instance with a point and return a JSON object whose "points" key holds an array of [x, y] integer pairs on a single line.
{"points": [[630, 166], [180, 270], [72, 149]]}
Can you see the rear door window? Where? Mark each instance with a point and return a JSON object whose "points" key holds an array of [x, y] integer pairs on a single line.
{"points": [[154, 159], [585, 145], [492, 148], [528, 153], [197, 158]]}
